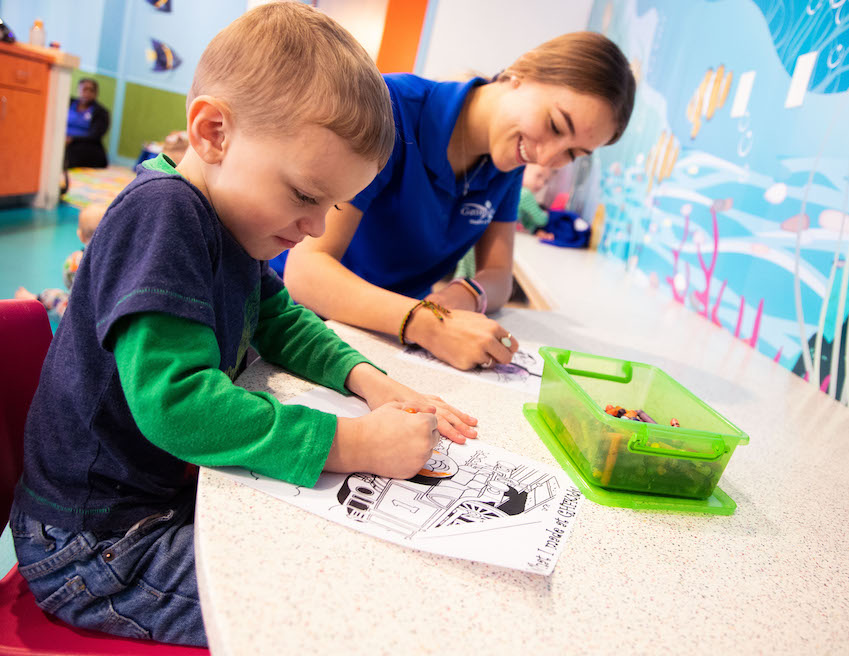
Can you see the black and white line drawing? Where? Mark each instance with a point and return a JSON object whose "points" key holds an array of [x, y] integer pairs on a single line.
{"points": [[474, 500], [447, 493]]}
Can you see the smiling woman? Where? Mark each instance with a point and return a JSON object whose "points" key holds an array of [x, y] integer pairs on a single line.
{"points": [[453, 182]]}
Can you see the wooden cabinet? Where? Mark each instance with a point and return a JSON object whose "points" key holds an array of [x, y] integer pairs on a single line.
{"points": [[23, 106]]}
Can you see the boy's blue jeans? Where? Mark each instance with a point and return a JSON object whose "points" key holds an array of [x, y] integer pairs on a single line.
{"points": [[140, 585]]}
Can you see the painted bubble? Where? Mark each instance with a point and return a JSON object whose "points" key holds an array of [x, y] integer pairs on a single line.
{"points": [[796, 223], [680, 282], [686, 209], [833, 220], [776, 193]]}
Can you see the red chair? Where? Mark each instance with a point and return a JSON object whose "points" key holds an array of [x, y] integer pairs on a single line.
{"points": [[24, 628]]}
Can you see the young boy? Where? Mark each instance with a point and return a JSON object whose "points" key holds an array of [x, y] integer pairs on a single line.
{"points": [[287, 115], [532, 218]]}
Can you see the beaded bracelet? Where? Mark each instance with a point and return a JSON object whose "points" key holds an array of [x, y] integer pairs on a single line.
{"points": [[476, 290], [430, 305]]}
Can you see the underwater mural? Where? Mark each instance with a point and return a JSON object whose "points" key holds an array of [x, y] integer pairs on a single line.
{"points": [[729, 190]]}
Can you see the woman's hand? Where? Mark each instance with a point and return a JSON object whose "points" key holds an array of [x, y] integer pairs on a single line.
{"points": [[463, 339], [379, 389]]}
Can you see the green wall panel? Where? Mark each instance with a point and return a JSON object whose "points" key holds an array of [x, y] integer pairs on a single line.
{"points": [[149, 115], [105, 94]]}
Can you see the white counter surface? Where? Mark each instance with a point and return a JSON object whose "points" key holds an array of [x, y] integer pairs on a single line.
{"points": [[773, 578]]}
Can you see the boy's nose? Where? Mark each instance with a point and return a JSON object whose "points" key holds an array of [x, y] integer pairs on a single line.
{"points": [[313, 224]]}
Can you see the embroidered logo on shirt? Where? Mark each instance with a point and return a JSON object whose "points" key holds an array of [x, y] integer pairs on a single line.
{"points": [[478, 214]]}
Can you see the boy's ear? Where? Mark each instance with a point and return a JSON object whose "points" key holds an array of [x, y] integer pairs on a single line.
{"points": [[209, 128]]}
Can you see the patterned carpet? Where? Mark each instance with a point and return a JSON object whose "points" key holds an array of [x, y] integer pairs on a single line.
{"points": [[96, 185]]}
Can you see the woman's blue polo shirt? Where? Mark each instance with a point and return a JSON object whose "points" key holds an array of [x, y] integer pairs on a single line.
{"points": [[418, 218]]}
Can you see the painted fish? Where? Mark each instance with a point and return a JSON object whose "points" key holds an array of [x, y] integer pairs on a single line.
{"points": [[163, 56], [160, 5]]}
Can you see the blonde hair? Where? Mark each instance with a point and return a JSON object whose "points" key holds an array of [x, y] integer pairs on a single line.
{"points": [[89, 219], [283, 64], [586, 62]]}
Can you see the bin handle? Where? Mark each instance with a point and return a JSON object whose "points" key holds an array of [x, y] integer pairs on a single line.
{"points": [[716, 448], [622, 376]]}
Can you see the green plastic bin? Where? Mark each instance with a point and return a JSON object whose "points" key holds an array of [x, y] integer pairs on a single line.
{"points": [[622, 454]]}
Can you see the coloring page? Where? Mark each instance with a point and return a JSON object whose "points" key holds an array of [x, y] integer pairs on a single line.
{"points": [[524, 373], [473, 501]]}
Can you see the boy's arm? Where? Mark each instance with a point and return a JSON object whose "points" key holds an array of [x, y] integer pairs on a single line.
{"points": [[295, 338], [185, 405], [188, 407]]}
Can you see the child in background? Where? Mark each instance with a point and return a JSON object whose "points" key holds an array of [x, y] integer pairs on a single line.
{"points": [[55, 300], [173, 289], [532, 218], [174, 148]]}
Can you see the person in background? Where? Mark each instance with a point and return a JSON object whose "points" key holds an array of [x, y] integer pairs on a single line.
{"points": [[88, 121], [452, 184], [173, 147], [54, 300], [173, 290], [531, 217]]}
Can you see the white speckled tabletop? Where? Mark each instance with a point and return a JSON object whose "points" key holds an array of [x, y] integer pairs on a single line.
{"points": [[773, 578]]}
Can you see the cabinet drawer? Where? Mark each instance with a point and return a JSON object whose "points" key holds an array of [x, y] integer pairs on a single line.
{"points": [[23, 73]]}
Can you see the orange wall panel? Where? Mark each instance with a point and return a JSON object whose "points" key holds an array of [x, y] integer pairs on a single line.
{"points": [[401, 33]]}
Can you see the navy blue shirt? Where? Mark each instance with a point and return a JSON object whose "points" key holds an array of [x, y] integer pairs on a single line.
{"points": [[419, 219], [159, 248]]}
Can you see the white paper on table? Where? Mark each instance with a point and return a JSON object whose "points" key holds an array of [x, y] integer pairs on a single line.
{"points": [[479, 502], [524, 373]]}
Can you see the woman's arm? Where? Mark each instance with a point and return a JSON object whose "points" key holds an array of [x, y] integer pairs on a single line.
{"points": [[494, 262], [316, 278], [99, 123], [494, 271]]}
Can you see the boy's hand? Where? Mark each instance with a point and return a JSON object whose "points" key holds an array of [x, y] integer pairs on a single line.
{"points": [[378, 389], [391, 441]]}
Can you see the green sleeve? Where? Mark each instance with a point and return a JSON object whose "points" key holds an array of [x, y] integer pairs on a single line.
{"points": [[184, 404], [293, 337], [531, 215]]}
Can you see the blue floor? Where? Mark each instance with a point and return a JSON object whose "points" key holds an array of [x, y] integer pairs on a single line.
{"points": [[7, 552], [33, 246]]}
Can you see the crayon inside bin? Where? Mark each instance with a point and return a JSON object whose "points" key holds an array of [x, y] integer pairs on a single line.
{"points": [[623, 454]]}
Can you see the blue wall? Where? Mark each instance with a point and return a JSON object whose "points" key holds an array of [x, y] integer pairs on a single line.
{"points": [[112, 38], [729, 188], [76, 26]]}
